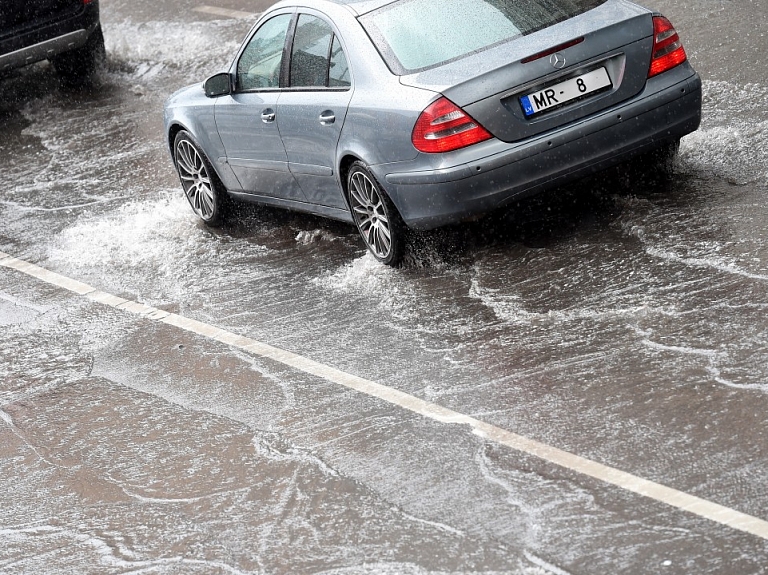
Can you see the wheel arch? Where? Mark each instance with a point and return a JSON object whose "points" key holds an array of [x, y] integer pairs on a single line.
{"points": [[173, 131], [345, 164]]}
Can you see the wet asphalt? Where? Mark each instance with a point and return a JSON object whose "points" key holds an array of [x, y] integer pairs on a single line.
{"points": [[620, 319]]}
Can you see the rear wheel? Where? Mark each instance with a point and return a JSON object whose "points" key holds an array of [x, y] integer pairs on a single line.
{"points": [[656, 166], [77, 67], [202, 187], [375, 216], [663, 158]]}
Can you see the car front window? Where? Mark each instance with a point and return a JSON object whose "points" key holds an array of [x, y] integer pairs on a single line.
{"points": [[260, 62], [415, 35]]}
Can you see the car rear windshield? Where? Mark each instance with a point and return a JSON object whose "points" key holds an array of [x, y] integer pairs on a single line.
{"points": [[414, 35]]}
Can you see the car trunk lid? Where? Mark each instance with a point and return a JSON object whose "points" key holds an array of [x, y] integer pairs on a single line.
{"points": [[616, 37]]}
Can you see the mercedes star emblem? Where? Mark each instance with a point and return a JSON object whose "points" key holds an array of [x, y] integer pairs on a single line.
{"points": [[557, 60]]}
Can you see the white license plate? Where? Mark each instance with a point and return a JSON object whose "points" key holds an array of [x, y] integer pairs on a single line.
{"points": [[564, 92]]}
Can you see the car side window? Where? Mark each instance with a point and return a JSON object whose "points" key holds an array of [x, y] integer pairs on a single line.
{"points": [[317, 59], [338, 76], [260, 62], [310, 52]]}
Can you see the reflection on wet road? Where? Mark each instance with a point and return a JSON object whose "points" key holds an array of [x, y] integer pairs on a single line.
{"points": [[620, 320]]}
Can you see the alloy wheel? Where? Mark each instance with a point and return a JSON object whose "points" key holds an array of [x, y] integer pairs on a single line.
{"points": [[195, 179], [370, 214]]}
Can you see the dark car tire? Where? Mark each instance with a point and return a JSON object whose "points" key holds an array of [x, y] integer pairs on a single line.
{"points": [[656, 166], [663, 158], [77, 67], [375, 216], [202, 187]]}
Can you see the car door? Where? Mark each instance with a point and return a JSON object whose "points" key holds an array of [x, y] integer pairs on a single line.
{"points": [[312, 108], [246, 119]]}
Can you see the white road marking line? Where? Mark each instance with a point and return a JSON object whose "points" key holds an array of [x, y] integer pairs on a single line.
{"points": [[225, 12], [554, 569], [678, 499]]}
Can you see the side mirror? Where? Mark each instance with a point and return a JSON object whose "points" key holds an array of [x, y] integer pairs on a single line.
{"points": [[218, 85]]}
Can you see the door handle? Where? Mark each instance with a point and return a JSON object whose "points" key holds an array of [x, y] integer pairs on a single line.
{"points": [[327, 118], [268, 116]]}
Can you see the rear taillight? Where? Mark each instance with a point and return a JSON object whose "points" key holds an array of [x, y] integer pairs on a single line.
{"points": [[444, 127], [668, 50]]}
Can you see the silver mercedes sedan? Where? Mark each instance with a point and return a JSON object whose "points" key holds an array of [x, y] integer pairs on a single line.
{"points": [[398, 114]]}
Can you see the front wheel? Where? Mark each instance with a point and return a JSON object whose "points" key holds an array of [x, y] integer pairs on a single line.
{"points": [[375, 216], [202, 187]]}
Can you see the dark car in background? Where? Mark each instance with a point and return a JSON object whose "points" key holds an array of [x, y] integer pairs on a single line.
{"points": [[65, 32]]}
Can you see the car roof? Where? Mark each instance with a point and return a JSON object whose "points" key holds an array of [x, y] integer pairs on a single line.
{"points": [[358, 7], [363, 6]]}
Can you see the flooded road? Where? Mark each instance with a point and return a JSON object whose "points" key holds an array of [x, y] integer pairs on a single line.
{"points": [[619, 320]]}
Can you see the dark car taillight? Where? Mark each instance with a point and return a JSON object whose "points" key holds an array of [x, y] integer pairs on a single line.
{"points": [[444, 127], [668, 50]]}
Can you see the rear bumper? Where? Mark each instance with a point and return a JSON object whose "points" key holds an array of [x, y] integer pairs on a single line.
{"points": [[49, 39], [431, 198]]}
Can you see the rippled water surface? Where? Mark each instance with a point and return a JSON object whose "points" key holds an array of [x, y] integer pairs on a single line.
{"points": [[620, 319]]}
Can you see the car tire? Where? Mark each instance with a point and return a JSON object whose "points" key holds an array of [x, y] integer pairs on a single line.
{"points": [[375, 216], [664, 158], [202, 187], [656, 166], [77, 67]]}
